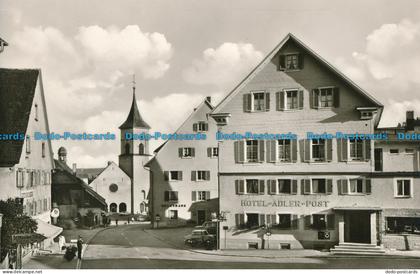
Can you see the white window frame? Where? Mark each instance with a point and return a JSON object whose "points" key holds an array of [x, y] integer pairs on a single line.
{"points": [[169, 214], [356, 193], [212, 152], [203, 172], [184, 149], [246, 189], [318, 160], [264, 100], [297, 60], [246, 151], [277, 150], [319, 97], [201, 126], [286, 101], [278, 189], [356, 159], [198, 193], [170, 175], [312, 185], [396, 187]]}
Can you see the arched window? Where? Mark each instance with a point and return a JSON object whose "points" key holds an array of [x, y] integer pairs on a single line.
{"points": [[122, 207], [142, 208], [113, 207], [141, 149], [143, 194], [127, 148]]}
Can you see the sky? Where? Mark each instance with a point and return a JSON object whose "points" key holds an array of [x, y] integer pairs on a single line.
{"points": [[184, 50]]}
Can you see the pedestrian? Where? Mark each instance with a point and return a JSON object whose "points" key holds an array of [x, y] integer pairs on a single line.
{"points": [[116, 222], [79, 247]]}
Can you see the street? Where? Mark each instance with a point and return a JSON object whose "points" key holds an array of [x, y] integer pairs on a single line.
{"points": [[131, 246]]}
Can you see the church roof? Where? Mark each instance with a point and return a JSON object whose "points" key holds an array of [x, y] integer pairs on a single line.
{"points": [[17, 89], [134, 119]]}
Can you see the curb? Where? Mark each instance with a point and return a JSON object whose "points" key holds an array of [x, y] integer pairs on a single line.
{"points": [[79, 262]]}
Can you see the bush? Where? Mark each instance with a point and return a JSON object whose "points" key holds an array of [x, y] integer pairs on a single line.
{"points": [[70, 253]]}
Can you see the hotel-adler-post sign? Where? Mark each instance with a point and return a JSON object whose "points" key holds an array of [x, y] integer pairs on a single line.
{"points": [[284, 203]]}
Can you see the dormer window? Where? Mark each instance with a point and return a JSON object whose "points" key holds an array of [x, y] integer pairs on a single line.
{"points": [[291, 61]]}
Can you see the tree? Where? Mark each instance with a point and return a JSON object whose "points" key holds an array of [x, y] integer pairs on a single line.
{"points": [[14, 222]]}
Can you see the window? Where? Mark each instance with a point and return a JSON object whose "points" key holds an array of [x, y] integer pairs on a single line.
{"points": [[200, 175], [200, 195], [318, 149], [175, 175], [203, 126], [403, 188], [317, 186], [173, 214], [366, 115], [325, 97], [171, 196], [285, 186], [186, 152], [28, 144], [292, 61], [250, 186], [409, 150], [43, 150], [122, 207], [394, 151], [282, 186], [292, 99], [20, 178], [284, 150], [212, 152], [289, 99], [319, 221], [356, 150], [258, 101], [113, 207], [113, 188], [356, 186], [285, 221], [406, 225], [252, 151], [141, 149]]}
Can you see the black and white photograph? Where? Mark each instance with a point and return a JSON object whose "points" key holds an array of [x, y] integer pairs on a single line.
{"points": [[210, 134]]}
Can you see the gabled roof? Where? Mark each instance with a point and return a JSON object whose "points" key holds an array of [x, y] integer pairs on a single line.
{"points": [[89, 173], [64, 168], [134, 119], [270, 56], [17, 89], [206, 102]]}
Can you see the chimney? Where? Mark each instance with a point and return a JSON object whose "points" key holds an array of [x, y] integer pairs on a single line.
{"points": [[208, 98], [74, 168], [409, 119]]}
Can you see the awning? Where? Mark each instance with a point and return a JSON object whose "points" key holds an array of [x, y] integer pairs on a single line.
{"points": [[48, 230], [357, 208]]}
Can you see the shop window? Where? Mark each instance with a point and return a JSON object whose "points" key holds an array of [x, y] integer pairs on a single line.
{"points": [[173, 214], [407, 225]]}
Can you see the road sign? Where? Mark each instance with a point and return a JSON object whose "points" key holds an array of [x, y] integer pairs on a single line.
{"points": [[157, 218], [55, 213]]}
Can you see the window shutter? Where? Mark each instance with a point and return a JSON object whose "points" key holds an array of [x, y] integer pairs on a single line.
{"points": [[368, 186], [336, 97], [273, 186], [209, 149], [247, 102], [367, 144], [239, 219], [329, 149], [166, 175], [207, 195], [344, 186], [277, 100], [180, 175], [329, 186], [282, 102], [206, 127], [294, 187], [193, 196], [241, 151], [271, 151], [267, 101], [308, 221], [180, 152], [207, 175], [192, 152], [261, 156], [306, 186], [262, 219], [344, 150], [239, 185], [331, 221], [282, 62], [166, 198], [295, 221], [195, 127], [300, 60], [300, 99], [314, 98], [307, 150], [193, 175], [261, 189], [294, 150]]}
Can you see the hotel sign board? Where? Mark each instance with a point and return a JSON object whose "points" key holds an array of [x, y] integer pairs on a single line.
{"points": [[284, 203]]}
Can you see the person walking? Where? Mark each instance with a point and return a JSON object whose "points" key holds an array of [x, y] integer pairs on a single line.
{"points": [[79, 248]]}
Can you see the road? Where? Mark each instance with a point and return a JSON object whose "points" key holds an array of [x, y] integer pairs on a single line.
{"points": [[130, 247]]}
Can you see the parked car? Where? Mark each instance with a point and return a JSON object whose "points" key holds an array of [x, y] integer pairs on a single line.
{"points": [[211, 227], [200, 237]]}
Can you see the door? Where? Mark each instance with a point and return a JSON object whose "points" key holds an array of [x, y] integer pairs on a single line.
{"points": [[358, 225], [378, 159], [201, 216]]}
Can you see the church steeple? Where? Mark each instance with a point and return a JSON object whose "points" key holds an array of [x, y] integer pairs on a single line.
{"points": [[134, 119]]}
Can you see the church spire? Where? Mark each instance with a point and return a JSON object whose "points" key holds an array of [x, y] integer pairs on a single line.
{"points": [[134, 119]]}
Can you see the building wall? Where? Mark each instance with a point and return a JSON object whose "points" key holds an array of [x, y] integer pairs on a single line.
{"points": [[168, 159], [39, 194], [401, 161], [113, 175]]}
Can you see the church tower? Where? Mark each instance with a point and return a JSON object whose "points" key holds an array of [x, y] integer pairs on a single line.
{"points": [[134, 155]]}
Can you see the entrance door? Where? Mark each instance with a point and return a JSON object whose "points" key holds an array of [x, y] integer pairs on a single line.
{"points": [[357, 224], [201, 216]]}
